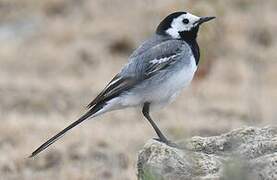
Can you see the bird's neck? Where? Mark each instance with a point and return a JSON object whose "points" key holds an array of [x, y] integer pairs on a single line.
{"points": [[190, 38], [195, 50], [189, 35]]}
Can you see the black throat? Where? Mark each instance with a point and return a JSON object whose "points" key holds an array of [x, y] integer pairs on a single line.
{"points": [[190, 38]]}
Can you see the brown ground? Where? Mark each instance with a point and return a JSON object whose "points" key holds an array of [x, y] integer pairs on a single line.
{"points": [[56, 55]]}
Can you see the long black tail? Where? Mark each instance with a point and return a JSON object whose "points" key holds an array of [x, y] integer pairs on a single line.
{"points": [[60, 134]]}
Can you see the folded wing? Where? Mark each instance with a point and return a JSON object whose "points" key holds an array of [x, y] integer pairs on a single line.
{"points": [[141, 67]]}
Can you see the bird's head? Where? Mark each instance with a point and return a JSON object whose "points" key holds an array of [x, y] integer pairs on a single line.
{"points": [[181, 25]]}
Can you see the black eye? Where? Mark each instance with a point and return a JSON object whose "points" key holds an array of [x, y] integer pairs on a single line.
{"points": [[185, 21]]}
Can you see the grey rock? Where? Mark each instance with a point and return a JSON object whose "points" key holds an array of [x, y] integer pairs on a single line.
{"points": [[243, 154]]}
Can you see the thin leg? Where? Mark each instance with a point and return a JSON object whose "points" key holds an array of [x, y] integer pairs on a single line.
{"points": [[145, 111]]}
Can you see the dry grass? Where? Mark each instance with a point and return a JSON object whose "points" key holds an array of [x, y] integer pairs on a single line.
{"points": [[56, 55]]}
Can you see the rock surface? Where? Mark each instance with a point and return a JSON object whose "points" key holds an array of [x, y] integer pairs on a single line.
{"points": [[243, 154]]}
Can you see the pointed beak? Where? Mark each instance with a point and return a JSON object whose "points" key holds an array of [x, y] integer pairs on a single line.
{"points": [[204, 19]]}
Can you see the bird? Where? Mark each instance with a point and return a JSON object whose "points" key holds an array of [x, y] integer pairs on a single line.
{"points": [[154, 75]]}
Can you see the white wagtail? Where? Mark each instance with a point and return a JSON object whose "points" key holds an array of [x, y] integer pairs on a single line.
{"points": [[156, 72]]}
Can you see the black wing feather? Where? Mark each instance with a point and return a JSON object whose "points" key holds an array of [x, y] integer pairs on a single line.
{"points": [[115, 87]]}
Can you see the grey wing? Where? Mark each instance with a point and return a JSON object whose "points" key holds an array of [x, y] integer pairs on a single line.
{"points": [[141, 67], [157, 65], [157, 58]]}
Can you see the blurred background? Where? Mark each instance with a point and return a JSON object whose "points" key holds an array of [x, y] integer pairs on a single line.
{"points": [[57, 55]]}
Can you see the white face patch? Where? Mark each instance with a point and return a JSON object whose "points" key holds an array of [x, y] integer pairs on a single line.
{"points": [[185, 22]]}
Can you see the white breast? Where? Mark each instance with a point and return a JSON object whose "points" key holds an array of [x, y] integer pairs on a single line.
{"points": [[181, 79]]}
